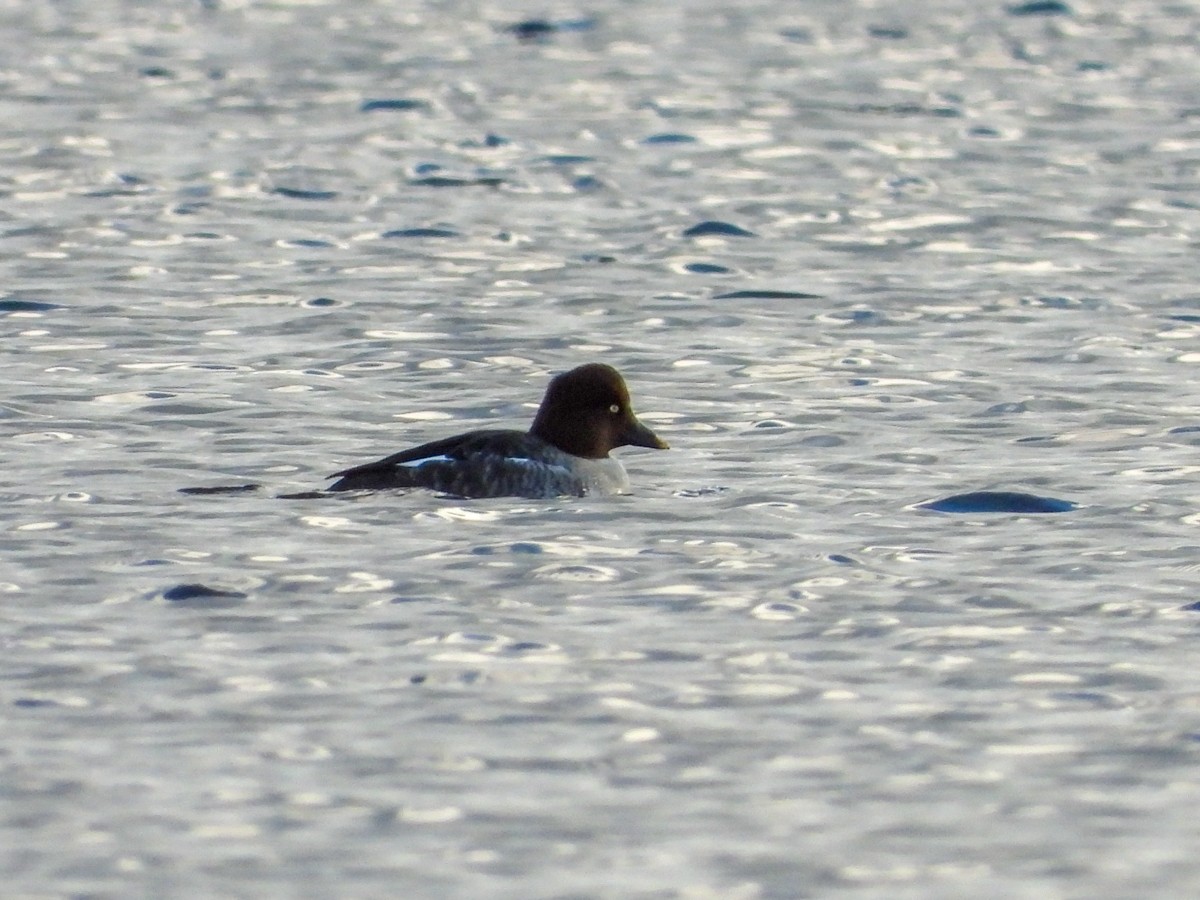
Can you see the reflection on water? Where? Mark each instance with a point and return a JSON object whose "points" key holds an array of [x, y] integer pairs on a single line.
{"points": [[891, 289]]}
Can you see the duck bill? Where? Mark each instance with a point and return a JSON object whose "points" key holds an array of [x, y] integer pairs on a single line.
{"points": [[638, 435]]}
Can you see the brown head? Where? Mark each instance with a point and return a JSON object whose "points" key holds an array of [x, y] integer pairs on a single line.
{"points": [[586, 412]]}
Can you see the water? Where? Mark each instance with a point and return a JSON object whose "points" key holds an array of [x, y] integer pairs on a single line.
{"points": [[257, 243]]}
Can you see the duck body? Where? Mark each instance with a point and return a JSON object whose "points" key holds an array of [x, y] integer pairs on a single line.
{"points": [[491, 463]]}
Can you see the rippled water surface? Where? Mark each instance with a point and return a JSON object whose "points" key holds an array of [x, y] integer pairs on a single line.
{"points": [[852, 258]]}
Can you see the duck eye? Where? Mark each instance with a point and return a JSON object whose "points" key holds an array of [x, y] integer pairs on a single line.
{"points": [[614, 409]]}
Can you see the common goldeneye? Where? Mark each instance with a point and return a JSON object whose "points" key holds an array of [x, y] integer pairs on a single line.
{"points": [[585, 414]]}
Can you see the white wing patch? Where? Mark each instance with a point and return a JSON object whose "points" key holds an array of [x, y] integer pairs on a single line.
{"points": [[523, 462], [417, 463]]}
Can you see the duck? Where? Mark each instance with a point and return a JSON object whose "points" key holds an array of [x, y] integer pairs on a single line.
{"points": [[585, 414]]}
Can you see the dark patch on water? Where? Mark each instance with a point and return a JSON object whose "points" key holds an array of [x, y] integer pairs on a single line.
{"points": [[797, 35], [700, 268], [909, 109], [421, 233], [302, 194], [449, 181], [536, 30], [998, 502], [9, 305], [1040, 8], [33, 703], [532, 29], [307, 243], [894, 33], [521, 547], [489, 141], [1037, 439], [669, 137], [565, 159], [221, 489], [399, 104], [114, 192], [766, 295], [202, 595], [719, 229], [518, 647]]}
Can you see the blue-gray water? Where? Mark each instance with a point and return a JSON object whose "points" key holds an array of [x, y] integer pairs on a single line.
{"points": [[768, 673]]}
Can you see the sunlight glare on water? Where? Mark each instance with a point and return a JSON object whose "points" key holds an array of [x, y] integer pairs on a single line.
{"points": [[905, 612]]}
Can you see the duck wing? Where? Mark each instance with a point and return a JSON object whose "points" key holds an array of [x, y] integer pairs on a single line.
{"points": [[488, 463]]}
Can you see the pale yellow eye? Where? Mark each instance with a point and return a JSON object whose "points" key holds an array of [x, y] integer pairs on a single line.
{"points": [[614, 409]]}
